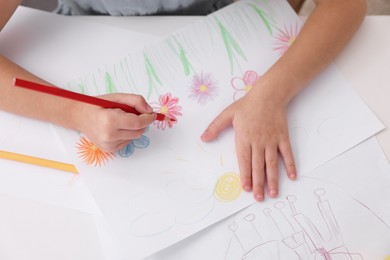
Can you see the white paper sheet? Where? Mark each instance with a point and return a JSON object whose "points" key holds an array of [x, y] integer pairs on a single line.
{"points": [[365, 62], [339, 211], [162, 188], [34, 230], [55, 48]]}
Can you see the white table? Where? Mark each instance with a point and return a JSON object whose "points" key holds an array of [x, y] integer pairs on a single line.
{"points": [[31, 230]]}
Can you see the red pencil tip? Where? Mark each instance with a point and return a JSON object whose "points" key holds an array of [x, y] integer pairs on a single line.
{"points": [[162, 117]]}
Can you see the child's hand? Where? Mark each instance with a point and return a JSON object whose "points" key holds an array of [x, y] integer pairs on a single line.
{"points": [[259, 121], [113, 129]]}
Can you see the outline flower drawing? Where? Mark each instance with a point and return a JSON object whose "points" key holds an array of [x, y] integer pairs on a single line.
{"points": [[285, 38], [167, 105], [203, 88], [141, 143], [91, 154], [243, 85]]}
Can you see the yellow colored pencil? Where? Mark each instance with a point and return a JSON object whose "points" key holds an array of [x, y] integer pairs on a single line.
{"points": [[38, 161]]}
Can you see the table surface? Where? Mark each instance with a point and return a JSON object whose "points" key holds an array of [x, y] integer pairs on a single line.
{"points": [[32, 230]]}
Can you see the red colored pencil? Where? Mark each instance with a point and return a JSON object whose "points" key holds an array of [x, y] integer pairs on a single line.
{"points": [[81, 97]]}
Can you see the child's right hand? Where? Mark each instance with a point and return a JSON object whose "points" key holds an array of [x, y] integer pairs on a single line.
{"points": [[113, 129]]}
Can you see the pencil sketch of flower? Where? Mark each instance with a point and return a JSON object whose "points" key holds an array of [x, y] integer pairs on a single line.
{"points": [[141, 143], [167, 105], [285, 38], [203, 88], [91, 154], [243, 85]]}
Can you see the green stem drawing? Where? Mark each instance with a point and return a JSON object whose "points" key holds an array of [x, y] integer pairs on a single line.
{"points": [[230, 45], [152, 75], [95, 84], [263, 17]]}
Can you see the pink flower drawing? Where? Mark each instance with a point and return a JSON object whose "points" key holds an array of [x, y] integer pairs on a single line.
{"points": [[203, 88], [167, 105], [285, 38], [243, 85]]}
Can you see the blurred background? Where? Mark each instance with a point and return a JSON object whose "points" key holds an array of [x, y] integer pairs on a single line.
{"points": [[303, 7]]}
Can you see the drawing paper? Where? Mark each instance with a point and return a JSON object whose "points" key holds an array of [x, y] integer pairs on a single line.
{"points": [[339, 210], [167, 184], [56, 48]]}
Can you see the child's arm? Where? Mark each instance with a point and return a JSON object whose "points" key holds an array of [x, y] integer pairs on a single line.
{"points": [[259, 118], [109, 129], [7, 9]]}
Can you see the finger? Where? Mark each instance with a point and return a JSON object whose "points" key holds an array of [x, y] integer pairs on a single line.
{"points": [[136, 101], [272, 171], [127, 135], [288, 159], [109, 147], [221, 122], [122, 145], [127, 121], [140, 104], [244, 163], [258, 173]]}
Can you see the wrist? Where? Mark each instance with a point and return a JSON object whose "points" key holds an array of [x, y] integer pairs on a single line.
{"points": [[75, 115], [275, 91]]}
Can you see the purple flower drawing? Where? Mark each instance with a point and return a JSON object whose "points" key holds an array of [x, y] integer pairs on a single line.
{"points": [[203, 88]]}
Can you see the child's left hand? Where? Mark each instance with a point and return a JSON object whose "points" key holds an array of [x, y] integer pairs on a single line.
{"points": [[259, 120]]}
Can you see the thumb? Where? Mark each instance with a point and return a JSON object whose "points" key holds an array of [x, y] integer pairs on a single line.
{"points": [[221, 122], [147, 119]]}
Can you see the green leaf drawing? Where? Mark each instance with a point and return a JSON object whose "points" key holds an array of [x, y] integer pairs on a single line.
{"points": [[180, 52], [82, 88], [185, 61], [110, 87], [263, 17], [128, 75], [230, 45], [152, 75]]}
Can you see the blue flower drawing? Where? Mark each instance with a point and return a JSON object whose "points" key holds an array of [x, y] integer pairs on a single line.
{"points": [[140, 143]]}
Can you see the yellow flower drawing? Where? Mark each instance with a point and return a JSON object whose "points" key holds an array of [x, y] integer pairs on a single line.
{"points": [[228, 187]]}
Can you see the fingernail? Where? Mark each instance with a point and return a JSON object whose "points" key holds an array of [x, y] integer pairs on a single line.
{"points": [[292, 175], [204, 135], [259, 197], [247, 188], [273, 192]]}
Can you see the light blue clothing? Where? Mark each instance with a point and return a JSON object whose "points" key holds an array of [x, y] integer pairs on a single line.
{"points": [[139, 7]]}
